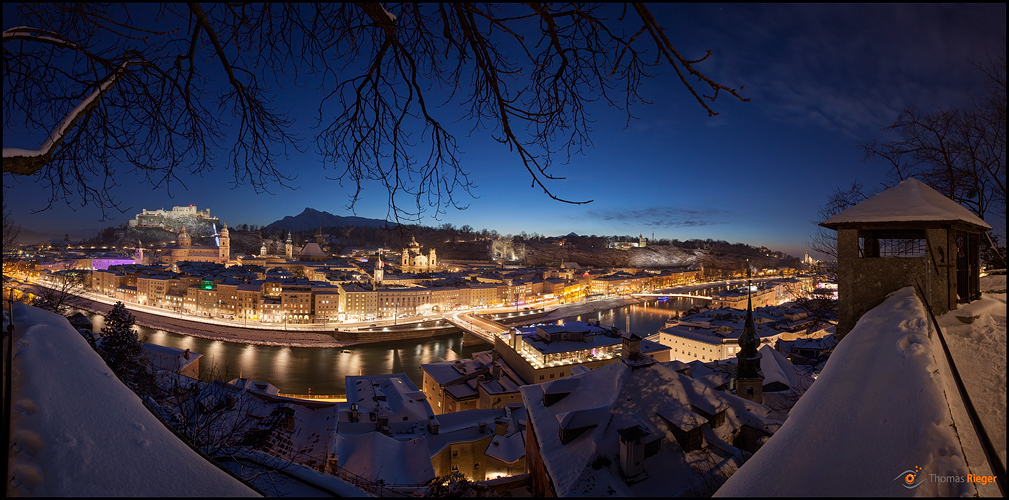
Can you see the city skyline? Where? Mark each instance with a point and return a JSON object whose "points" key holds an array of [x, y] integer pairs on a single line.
{"points": [[821, 79]]}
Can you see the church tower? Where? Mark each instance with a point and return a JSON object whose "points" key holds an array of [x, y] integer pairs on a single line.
{"points": [[289, 247], [224, 249], [749, 380], [139, 257], [379, 270]]}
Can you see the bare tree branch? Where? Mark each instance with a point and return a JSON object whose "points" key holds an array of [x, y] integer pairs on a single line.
{"points": [[958, 152], [389, 80], [825, 240]]}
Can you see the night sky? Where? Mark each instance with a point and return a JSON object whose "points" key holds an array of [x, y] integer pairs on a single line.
{"points": [[821, 78]]}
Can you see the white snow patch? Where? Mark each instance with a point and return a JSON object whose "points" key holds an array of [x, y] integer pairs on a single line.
{"points": [[78, 431], [979, 351]]}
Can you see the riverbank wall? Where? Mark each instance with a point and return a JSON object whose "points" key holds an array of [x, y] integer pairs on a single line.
{"points": [[408, 331]]}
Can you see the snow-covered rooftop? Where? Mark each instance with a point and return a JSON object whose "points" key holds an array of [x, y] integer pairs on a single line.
{"points": [[777, 368], [617, 397], [393, 396], [78, 431], [909, 201]]}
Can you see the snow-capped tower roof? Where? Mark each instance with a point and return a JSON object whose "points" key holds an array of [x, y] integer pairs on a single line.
{"points": [[909, 201], [224, 231]]}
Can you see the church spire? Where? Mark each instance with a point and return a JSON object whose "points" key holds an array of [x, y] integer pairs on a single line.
{"points": [[749, 341]]}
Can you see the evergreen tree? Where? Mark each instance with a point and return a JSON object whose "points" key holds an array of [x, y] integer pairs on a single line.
{"points": [[120, 347]]}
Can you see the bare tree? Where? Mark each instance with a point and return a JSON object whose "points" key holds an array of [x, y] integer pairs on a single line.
{"points": [[130, 88], [710, 473], [229, 424], [11, 231], [821, 310], [60, 292], [825, 240], [958, 152], [214, 416]]}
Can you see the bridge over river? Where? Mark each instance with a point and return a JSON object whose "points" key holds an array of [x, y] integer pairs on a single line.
{"points": [[476, 329], [671, 295]]}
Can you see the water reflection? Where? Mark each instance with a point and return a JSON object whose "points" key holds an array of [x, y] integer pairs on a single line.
{"points": [[297, 370]]}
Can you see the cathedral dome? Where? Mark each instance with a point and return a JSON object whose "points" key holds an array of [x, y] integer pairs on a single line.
{"points": [[184, 239]]}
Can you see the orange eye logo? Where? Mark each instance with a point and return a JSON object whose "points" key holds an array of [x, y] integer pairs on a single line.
{"points": [[909, 477]]}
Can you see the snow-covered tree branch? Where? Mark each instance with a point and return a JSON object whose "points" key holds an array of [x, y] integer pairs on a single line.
{"points": [[105, 90]]}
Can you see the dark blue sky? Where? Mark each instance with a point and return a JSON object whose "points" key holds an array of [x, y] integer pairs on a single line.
{"points": [[821, 79]]}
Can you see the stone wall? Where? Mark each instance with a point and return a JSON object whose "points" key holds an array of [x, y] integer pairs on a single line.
{"points": [[863, 283]]}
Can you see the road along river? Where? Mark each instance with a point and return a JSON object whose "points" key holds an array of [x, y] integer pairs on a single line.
{"points": [[321, 370]]}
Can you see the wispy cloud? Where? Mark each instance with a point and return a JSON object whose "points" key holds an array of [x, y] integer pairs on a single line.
{"points": [[665, 217], [852, 67]]}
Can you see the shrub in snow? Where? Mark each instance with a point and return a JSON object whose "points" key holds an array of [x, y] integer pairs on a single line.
{"points": [[456, 484]]}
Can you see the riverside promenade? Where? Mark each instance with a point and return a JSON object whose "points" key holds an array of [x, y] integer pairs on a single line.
{"points": [[290, 337], [312, 335]]}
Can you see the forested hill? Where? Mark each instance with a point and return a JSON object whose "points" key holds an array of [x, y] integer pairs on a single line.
{"points": [[466, 243]]}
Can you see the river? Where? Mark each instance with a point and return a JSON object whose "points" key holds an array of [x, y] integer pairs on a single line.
{"points": [[321, 371]]}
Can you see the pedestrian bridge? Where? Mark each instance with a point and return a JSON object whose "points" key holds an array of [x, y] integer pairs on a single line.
{"points": [[672, 295]]}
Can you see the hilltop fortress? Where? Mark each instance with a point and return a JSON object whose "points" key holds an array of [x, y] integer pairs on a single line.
{"points": [[174, 219]]}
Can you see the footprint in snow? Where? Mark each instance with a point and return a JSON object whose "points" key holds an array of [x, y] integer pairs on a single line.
{"points": [[26, 407], [27, 441], [27, 475]]}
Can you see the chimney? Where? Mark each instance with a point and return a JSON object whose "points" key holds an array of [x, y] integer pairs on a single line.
{"points": [[186, 353], [632, 347], [353, 412], [496, 371], [483, 427], [432, 425]]}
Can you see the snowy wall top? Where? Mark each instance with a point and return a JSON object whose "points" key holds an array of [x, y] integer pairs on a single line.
{"points": [[909, 201]]}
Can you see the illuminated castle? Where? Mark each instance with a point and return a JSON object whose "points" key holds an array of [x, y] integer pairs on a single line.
{"points": [[174, 218]]}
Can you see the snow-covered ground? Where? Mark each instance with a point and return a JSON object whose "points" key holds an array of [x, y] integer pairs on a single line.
{"points": [[979, 351], [78, 431], [877, 413]]}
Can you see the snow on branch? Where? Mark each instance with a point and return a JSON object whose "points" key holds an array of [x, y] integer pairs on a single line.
{"points": [[26, 162], [34, 34]]}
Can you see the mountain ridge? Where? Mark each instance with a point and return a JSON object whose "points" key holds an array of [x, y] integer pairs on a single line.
{"points": [[311, 218]]}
